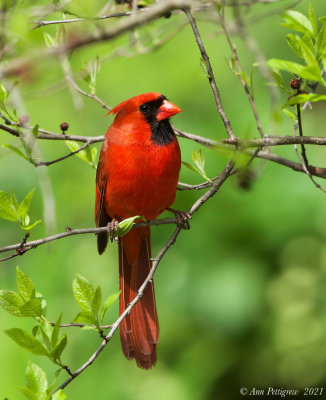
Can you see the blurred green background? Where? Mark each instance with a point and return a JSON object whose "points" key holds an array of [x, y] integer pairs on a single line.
{"points": [[241, 296]]}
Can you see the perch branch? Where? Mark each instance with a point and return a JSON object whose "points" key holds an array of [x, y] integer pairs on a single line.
{"points": [[202, 200]]}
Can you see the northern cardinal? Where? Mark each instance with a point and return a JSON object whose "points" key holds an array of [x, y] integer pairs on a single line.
{"points": [[137, 174]]}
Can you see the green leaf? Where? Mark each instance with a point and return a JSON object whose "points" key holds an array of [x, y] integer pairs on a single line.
{"points": [[31, 226], [231, 63], [73, 146], [199, 160], [25, 285], [35, 130], [313, 20], [15, 150], [59, 347], [145, 3], [290, 113], [35, 330], [108, 302], [307, 50], [49, 40], [94, 68], [204, 66], [94, 155], [89, 327], [32, 308], [297, 21], [24, 206], [36, 380], [96, 303], [279, 80], [312, 73], [30, 394], [46, 330], [59, 395], [190, 166], [126, 225], [306, 39], [284, 65], [11, 302], [7, 209], [40, 297], [55, 331], [27, 341], [303, 98], [321, 42], [3, 93], [84, 155], [14, 201], [85, 317], [309, 72], [294, 43], [83, 292]]}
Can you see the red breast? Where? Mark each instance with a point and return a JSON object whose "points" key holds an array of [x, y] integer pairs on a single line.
{"points": [[143, 158]]}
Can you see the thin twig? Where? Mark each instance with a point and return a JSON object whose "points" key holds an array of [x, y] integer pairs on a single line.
{"points": [[72, 20], [303, 150], [89, 95], [210, 75], [47, 163], [239, 74], [75, 325], [253, 46], [303, 160]]}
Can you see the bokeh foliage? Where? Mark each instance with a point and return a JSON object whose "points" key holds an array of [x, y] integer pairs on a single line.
{"points": [[241, 295]]}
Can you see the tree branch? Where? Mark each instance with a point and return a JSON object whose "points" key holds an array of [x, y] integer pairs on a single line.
{"points": [[24, 247], [266, 141], [158, 10], [210, 75], [277, 141]]}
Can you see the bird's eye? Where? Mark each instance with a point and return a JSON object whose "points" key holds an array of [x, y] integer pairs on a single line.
{"points": [[144, 108]]}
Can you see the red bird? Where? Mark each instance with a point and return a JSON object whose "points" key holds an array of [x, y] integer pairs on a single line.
{"points": [[137, 174]]}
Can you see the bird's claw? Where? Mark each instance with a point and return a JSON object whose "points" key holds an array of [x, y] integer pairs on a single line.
{"points": [[113, 227], [182, 218]]}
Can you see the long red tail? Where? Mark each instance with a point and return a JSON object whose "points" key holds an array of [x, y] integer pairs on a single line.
{"points": [[139, 331]]}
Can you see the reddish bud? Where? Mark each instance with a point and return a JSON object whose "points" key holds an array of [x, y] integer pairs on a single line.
{"points": [[23, 119], [64, 127], [295, 83]]}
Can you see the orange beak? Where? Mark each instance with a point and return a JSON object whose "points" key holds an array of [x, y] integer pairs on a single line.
{"points": [[167, 110]]}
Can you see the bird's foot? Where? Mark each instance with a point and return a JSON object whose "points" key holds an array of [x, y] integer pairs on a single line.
{"points": [[182, 217], [113, 227]]}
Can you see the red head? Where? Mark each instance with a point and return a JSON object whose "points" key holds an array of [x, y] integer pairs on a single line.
{"points": [[144, 116], [149, 105]]}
